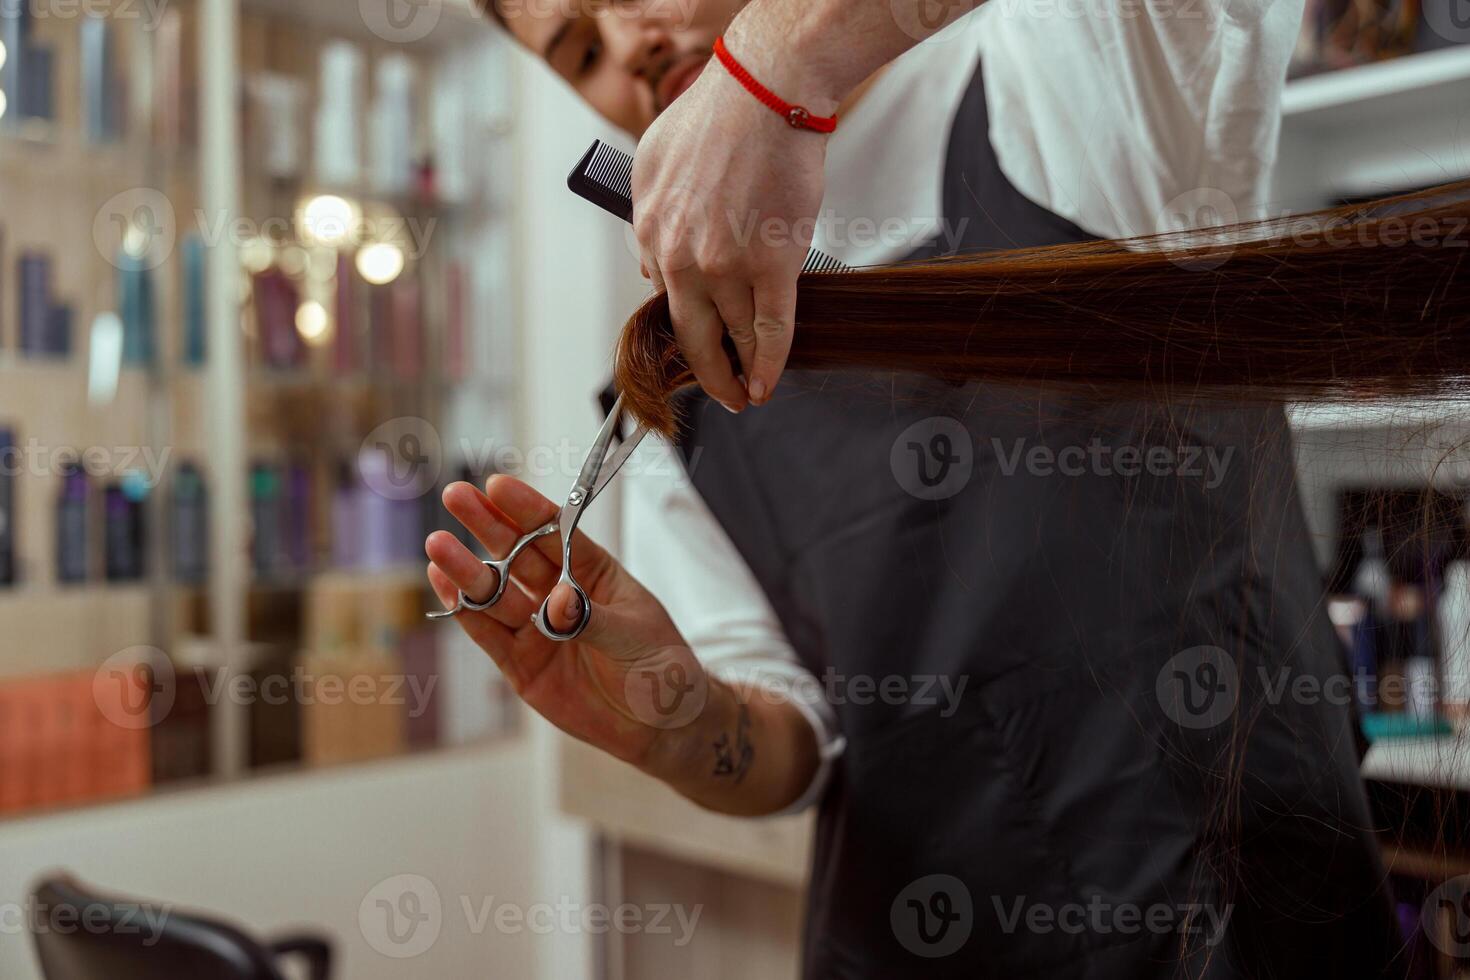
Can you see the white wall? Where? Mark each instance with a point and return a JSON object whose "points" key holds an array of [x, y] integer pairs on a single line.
{"points": [[306, 849]]}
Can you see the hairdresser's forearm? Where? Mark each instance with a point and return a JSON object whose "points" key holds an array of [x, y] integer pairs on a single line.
{"points": [[818, 51], [744, 755]]}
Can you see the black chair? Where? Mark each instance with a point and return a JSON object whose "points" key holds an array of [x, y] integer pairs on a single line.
{"points": [[80, 935]]}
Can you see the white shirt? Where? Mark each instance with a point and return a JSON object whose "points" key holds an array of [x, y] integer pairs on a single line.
{"points": [[1126, 117]]}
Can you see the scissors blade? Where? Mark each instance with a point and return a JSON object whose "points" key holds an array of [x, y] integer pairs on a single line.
{"points": [[617, 459], [591, 479]]}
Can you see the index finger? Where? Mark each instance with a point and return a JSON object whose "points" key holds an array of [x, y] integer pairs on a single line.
{"points": [[775, 322], [700, 333]]}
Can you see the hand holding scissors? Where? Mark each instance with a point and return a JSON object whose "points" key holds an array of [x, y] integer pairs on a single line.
{"points": [[597, 472]]}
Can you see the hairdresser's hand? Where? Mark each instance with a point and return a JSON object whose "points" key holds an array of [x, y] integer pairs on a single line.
{"points": [[629, 685], [725, 195]]}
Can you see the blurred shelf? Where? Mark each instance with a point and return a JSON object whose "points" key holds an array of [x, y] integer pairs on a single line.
{"points": [[64, 151], [1435, 82], [381, 770], [431, 24], [1442, 761], [1382, 414], [411, 576], [50, 627]]}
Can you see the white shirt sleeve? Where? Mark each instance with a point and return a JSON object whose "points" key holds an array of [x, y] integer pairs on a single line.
{"points": [[679, 551], [1131, 117]]}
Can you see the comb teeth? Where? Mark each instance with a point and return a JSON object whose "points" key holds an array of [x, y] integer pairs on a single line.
{"points": [[604, 176], [613, 169]]}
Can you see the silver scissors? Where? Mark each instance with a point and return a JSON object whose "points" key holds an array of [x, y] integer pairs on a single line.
{"points": [[598, 469]]}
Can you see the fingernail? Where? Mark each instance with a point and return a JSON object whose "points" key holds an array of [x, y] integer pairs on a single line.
{"points": [[572, 608], [758, 391], [732, 409]]}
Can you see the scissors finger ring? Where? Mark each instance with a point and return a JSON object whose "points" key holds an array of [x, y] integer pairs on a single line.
{"points": [[465, 603]]}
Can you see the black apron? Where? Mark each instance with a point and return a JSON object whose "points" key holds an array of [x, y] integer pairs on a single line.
{"points": [[1122, 787]]}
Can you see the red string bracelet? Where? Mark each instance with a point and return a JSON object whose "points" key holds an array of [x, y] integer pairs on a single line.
{"points": [[797, 116]]}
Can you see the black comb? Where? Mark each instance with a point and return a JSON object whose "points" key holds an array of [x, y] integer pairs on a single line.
{"points": [[604, 176]]}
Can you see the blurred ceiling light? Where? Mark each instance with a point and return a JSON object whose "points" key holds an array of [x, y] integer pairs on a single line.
{"points": [[321, 263], [380, 263], [3, 53], [312, 321], [293, 261], [2, 93], [256, 255], [328, 220], [136, 240]]}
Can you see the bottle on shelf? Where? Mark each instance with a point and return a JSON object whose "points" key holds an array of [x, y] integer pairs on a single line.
{"points": [[72, 531], [9, 475], [190, 521], [123, 530], [1370, 586]]}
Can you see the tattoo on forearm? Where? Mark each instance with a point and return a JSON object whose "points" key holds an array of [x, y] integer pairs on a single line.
{"points": [[734, 757]]}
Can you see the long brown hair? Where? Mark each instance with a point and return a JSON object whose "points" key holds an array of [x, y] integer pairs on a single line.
{"points": [[1358, 301]]}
